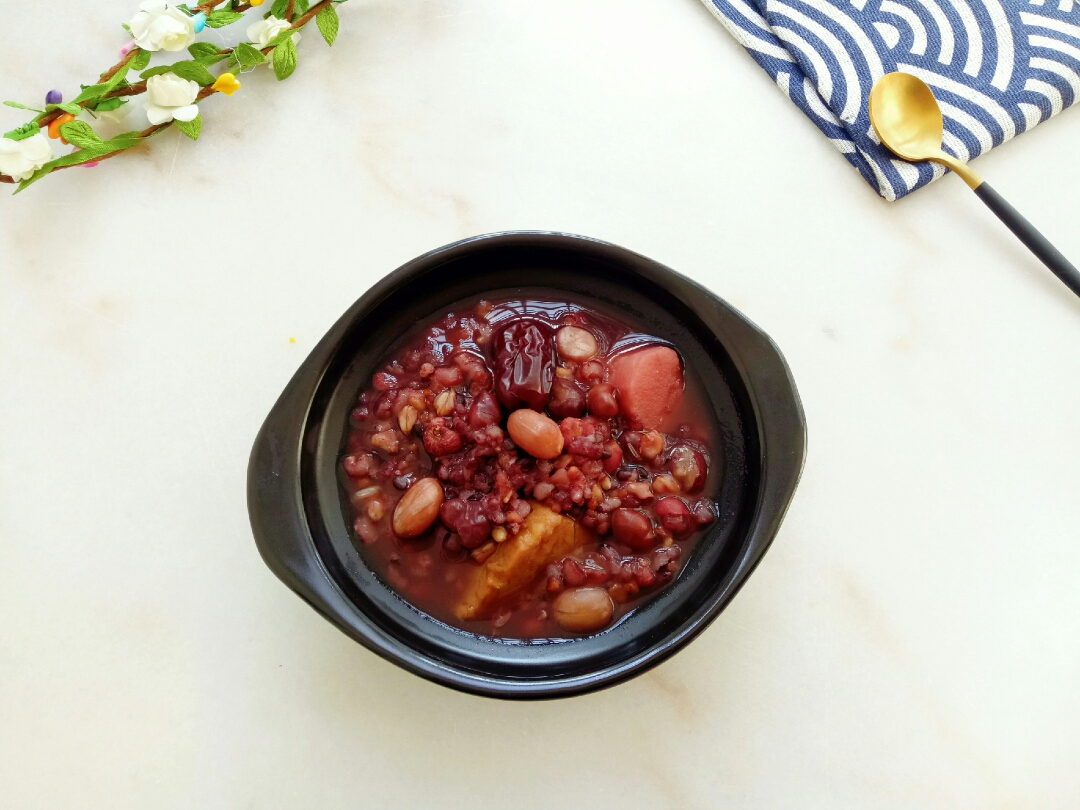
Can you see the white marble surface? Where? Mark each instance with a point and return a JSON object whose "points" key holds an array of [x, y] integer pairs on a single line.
{"points": [[912, 640]]}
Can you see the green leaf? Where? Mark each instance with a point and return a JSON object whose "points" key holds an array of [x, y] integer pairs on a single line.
{"points": [[282, 36], [279, 8], [327, 20], [207, 54], [140, 60], [75, 158], [186, 69], [96, 91], [300, 9], [19, 106], [108, 104], [125, 140], [248, 55], [285, 59], [210, 61], [24, 132], [219, 19], [201, 50], [32, 179], [119, 79], [193, 71], [73, 109], [90, 92], [80, 134], [191, 128]]}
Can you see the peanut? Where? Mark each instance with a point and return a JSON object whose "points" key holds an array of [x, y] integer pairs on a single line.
{"points": [[535, 433], [444, 402], [407, 418], [583, 610], [418, 508]]}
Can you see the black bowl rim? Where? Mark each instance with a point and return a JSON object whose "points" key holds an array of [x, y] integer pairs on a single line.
{"points": [[275, 500]]}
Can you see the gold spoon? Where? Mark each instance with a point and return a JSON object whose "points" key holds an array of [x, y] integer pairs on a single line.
{"points": [[908, 120]]}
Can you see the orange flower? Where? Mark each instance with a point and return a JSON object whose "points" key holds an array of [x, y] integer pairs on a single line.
{"points": [[56, 123]]}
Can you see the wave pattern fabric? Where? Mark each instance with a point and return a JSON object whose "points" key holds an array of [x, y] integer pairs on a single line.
{"points": [[998, 68]]}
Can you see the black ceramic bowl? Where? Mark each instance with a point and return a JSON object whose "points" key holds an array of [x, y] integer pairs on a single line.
{"points": [[301, 522]]}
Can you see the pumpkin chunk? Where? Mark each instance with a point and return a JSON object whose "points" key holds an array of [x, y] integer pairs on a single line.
{"points": [[544, 538]]}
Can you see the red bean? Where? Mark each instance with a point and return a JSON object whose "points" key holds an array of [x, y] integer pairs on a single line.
{"points": [[612, 456], [595, 573], [484, 411], [602, 401], [452, 550], [476, 373], [467, 519], [674, 515], [643, 573], [572, 573], [652, 444], [631, 440], [384, 382], [591, 372], [448, 377], [704, 512], [633, 528], [543, 490], [358, 466], [567, 399], [689, 468], [365, 529], [665, 556]]}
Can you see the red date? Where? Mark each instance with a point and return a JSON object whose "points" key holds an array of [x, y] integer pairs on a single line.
{"points": [[525, 365]]}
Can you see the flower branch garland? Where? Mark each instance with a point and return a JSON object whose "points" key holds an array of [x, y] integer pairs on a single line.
{"points": [[172, 92]]}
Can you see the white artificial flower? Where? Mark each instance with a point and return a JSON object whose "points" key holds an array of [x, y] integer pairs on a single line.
{"points": [[20, 159], [263, 31], [159, 26], [117, 116], [168, 97]]}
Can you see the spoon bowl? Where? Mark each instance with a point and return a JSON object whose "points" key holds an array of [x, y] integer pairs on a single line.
{"points": [[908, 120]]}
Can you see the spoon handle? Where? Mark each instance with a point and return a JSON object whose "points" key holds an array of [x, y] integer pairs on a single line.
{"points": [[1030, 236]]}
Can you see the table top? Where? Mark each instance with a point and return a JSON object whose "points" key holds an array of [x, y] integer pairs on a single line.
{"points": [[911, 640]]}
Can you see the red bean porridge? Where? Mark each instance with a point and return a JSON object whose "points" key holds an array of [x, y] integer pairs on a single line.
{"points": [[530, 468]]}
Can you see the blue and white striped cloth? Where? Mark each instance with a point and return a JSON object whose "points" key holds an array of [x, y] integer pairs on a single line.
{"points": [[998, 67]]}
